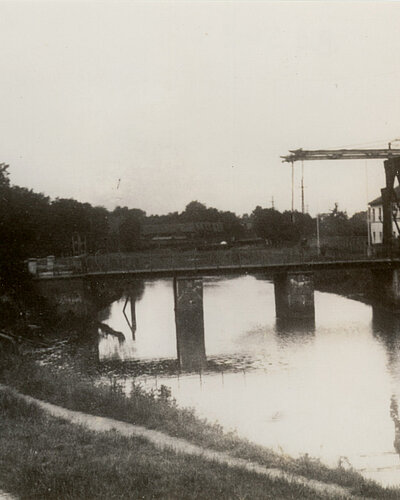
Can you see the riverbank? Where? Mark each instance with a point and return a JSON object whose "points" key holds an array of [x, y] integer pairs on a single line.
{"points": [[48, 458], [158, 411], [71, 379], [277, 482]]}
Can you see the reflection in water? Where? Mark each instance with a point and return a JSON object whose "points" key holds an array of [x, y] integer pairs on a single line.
{"points": [[328, 388], [294, 330], [293, 327], [386, 327], [155, 330], [394, 413], [130, 322]]}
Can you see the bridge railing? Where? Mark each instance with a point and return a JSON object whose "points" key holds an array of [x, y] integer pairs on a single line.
{"points": [[218, 258], [197, 259]]}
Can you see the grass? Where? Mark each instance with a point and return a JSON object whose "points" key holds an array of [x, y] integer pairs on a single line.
{"points": [[45, 458], [74, 390]]}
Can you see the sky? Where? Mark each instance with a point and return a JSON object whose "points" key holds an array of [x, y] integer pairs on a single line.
{"points": [[154, 104]]}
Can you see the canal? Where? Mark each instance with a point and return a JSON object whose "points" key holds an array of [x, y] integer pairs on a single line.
{"points": [[328, 389]]}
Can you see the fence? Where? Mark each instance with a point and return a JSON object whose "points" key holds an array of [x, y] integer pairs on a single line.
{"points": [[215, 259], [196, 259]]}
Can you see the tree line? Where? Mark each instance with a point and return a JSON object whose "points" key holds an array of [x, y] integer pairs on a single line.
{"points": [[280, 228], [33, 225]]}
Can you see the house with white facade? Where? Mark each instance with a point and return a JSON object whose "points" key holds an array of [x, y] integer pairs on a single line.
{"points": [[375, 218]]}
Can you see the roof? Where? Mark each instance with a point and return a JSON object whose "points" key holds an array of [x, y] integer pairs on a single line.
{"points": [[169, 229], [378, 201]]}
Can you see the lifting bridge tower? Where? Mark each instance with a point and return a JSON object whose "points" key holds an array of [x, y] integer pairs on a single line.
{"points": [[391, 159]]}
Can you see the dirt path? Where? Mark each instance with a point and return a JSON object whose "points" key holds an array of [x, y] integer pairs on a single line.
{"points": [[161, 440]]}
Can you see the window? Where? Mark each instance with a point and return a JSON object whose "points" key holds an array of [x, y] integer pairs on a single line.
{"points": [[374, 236], [373, 215], [380, 214]]}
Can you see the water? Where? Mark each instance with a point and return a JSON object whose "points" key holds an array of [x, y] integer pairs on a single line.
{"points": [[328, 389]]}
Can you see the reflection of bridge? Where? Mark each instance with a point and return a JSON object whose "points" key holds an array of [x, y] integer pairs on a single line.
{"points": [[68, 284]]}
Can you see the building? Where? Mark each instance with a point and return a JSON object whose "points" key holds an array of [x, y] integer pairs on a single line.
{"points": [[375, 218], [179, 233]]}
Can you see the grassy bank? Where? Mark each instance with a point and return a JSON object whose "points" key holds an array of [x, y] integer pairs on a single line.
{"points": [[43, 457], [158, 411]]}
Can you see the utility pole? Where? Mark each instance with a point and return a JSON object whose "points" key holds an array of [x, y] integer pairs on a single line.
{"points": [[272, 203], [318, 241], [368, 208], [292, 186], [302, 187], [292, 191]]}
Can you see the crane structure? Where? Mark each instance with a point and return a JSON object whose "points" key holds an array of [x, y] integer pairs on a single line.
{"points": [[341, 154], [391, 159]]}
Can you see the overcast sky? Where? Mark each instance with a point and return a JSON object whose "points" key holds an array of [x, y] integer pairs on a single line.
{"points": [[154, 104]]}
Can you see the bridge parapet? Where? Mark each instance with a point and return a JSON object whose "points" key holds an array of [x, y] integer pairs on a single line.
{"points": [[191, 260]]}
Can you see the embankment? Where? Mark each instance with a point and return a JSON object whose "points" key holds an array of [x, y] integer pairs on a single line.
{"points": [[157, 411]]}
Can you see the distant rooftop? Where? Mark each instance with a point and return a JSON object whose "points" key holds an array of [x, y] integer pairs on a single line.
{"points": [[170, 229]]}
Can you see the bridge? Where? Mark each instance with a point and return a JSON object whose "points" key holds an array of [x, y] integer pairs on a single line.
{"points": [[292, 270], [234, 261], [229, 269], [70, 284]]}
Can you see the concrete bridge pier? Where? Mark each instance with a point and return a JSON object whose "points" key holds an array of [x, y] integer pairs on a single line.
{"points": [[386, 287], [294, 295], [189, 321]]}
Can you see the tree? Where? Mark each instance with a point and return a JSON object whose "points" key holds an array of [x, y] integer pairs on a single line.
{"points": [[281, 228], [4, 175], [358, 224], [268, 224], [129, 232], [336, 223], [127, 225], [196, 212], [67, 217], [232, 225], [98, 229], [16, 234]]}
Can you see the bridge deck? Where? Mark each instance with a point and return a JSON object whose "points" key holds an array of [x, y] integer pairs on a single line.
{"points": [[230, 270]]}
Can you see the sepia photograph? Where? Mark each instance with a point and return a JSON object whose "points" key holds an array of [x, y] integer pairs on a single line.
{"points": [[199, 249]]}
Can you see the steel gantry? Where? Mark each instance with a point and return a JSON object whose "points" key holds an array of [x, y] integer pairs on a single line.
{"points": [[391, 159]]}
